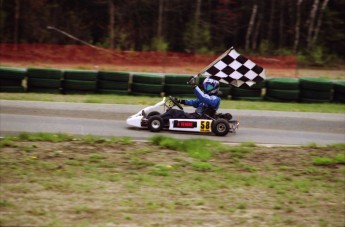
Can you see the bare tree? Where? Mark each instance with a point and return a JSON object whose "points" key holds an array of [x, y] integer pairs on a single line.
{"points": [[311, 22], [297, 25], [16, 22], [281, 24], [111, 23], [197, 24], [256, 33], [250, 26], [319, 21], [271, 20], [160, 19]]}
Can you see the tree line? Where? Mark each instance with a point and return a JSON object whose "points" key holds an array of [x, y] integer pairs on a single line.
{"points": [[314, 28]]}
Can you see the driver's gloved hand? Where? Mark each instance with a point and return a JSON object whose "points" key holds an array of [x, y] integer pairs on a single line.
{"points": [[180, 101], [192, 81]]}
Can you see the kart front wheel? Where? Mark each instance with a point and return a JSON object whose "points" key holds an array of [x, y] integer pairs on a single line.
{"points": [[220, 127], [155, 123]]}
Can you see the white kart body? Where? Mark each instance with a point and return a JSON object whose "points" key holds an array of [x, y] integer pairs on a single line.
{"points": [[135, 119]]}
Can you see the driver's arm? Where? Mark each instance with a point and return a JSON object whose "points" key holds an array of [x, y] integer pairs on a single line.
{"points": [[194, 103], [212, 101]]}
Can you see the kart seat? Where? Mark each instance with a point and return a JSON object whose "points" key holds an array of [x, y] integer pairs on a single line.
{"points": [[226, 116], [210, 113]]}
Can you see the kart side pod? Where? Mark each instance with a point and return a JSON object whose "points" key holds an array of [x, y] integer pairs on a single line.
{"points": [[219, 127]]}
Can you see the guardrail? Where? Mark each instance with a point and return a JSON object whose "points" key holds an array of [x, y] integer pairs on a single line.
{"points": [[42, 80]]}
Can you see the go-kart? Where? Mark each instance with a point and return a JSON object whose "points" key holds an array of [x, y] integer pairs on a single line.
{"points": [[149, 117]]}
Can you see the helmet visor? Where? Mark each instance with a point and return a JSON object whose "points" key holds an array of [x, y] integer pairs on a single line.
{"points": [[209, 87]]}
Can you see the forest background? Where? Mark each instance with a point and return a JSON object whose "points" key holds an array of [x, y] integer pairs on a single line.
{"points": [[312, 30]]}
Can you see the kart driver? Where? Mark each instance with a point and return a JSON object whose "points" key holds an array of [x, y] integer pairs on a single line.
{"points": [[206, 104]]}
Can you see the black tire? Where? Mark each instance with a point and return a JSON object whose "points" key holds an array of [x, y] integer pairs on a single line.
{"points": [[316, 84], [176, 79], [339, 87], [283, 83], [176, 89], [45, 73], [84, 75], [118, 92], [114, 76], [12, 73], [220, 127], [339, 97], [148, 78], [225, 90], [12, 89], [147, 88], [283, 94], [247, 98], [112, 85], [312, 94], [241, 92], [259, 85], [9, 82], [155, 123], [44, 83], [306, 100], [272, 99], [79, 85], [44, 90]]}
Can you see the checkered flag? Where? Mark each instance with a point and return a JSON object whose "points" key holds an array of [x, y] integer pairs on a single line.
{"points": [[233, 68]]}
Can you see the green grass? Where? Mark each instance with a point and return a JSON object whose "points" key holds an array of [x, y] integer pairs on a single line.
{"points": [[102, 181], [201, 149], [143, 100], [326, 160]]}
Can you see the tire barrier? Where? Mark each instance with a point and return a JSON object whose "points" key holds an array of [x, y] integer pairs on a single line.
{"points": [[41, 80], [147, 84], [113, 82], [253, 93], [11, 79], [315, 90], [339, 91], [176, 85], [44, 80], [79, 81], [282, 90]]}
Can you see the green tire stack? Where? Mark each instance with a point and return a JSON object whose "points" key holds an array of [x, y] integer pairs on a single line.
{"points": [[113, 82], [339, 91], [79, 81], [252, 93], [11, 79], [176, 85], [44, 80], [147, 84], [315, 90], [282, 90], [223, 87]]}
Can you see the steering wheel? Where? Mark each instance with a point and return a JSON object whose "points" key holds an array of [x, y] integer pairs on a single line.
{"points": [[173, 100]]}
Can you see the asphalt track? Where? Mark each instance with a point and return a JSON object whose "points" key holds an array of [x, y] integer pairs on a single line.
{"points": [[261, 127]]}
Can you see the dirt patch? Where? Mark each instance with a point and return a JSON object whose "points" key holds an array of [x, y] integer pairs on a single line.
{"points": [[110, 183], [84, 57]]}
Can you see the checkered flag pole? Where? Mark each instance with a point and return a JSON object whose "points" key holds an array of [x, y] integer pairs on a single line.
{"points": [[233, 68]]}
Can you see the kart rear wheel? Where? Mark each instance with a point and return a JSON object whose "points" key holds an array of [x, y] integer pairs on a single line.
{"points": [[220, 127], [155, 123]]}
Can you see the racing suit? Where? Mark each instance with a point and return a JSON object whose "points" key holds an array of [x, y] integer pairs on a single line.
{"points": [[204, 104]]}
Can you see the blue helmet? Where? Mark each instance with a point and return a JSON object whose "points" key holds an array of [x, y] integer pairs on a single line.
{"points": [[211, 86]]}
